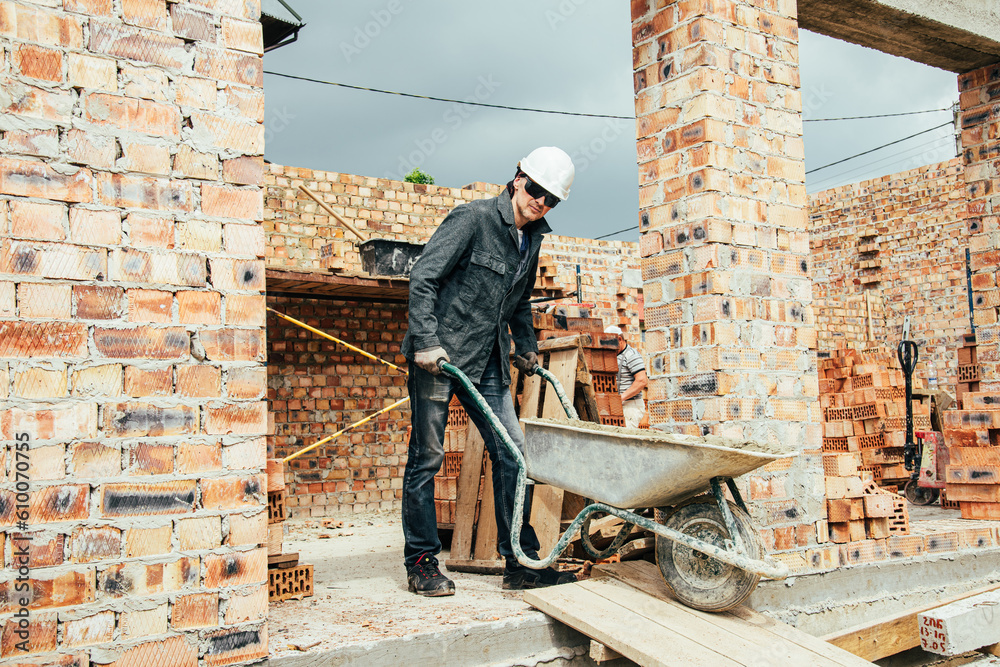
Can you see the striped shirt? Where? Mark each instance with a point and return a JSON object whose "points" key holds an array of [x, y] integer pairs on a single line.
{"points": [[629, 363]]}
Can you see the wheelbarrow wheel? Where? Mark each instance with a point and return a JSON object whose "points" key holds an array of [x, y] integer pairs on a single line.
{"points": [[920, 495], [700, 581]]}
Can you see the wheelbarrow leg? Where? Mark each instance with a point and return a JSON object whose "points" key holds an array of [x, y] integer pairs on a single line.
{"points": [[727, 515]]}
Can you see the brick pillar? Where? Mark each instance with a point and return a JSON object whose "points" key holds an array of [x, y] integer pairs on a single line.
{"points": [[132, 332], [980, 124], [724, 242]]}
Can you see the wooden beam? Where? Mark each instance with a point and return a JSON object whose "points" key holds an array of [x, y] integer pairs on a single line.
{"points": [[889, 636]]}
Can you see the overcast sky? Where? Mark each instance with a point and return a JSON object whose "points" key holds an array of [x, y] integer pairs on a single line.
{"points": [[568, 55]]}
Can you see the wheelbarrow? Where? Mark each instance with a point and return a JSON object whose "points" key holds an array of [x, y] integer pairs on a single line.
{"points": [[707, 548]]}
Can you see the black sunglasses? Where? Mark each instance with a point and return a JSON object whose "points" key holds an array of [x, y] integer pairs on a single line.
{"points": [[535, 191]]}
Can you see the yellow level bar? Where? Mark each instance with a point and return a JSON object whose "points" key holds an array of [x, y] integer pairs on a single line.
{"points": [[337, 340], [343, 430]]}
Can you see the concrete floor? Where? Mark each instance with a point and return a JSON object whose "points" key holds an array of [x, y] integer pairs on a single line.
{"points": [[361, 605]]}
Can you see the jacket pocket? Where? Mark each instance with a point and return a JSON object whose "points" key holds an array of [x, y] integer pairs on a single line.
{"points": [[492, 262]]}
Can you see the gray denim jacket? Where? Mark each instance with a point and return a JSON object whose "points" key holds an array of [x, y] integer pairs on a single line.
{"points": [[463, 294]]}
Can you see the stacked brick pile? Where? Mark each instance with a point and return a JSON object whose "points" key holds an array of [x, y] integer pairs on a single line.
{"points": [[600, 351], [287, 579], [856, 507], [446, 481], [972, 476], [863, 397]]}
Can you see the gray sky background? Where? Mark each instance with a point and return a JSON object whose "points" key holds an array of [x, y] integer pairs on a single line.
{"points": [[570, 55]]}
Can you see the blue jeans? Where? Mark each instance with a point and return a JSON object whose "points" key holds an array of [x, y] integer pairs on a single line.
{"points": [[429, 398]]}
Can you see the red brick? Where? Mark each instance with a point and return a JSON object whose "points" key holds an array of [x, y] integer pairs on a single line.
{"points": [[236, 569], [136, 44], [140, 343], [66, 502], [46, 421], [150, 306], [92, 460], [246, 382], [200, 610], [42, 339], [93, 150], [245, 530], [230, 202], [43, 143], [134, 115], [41, 300], [246, 170], [158, 267], [243, 240], [91, 544], [86, 71], [199, 381], [247, 102], [247, 607], [149, 459], [145, 158], [245, 137], [148, 499], [53, 260], [99, 303], [35, 179], [231, 344], [236, 646], [41, 635], [35, 220], [38, 62], [235, 66], [199, 93], [193, 164], [146, 14], [94, 629], [140, 382], [229, 274], [248, 454], [233, 492], [248, 419], [243, 35], [192, 24], [32, 102], [43, 550], [199, 307], [179, 651], [193, 458], [122, 420], [246, 310], [68, 589], [144, 192], [141, 542], [95, 227]]}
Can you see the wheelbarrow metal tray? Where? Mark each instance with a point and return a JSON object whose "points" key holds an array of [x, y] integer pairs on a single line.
{"points": [[623, 469]]}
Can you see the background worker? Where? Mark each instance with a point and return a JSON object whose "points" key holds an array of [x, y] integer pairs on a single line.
{"points": [[470, 291], [631, 379]]}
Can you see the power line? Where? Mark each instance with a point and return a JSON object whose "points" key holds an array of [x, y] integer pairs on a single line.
{"points": [[891, 143], [893, 158], [445, 99], [620, 231], [884, 115]]}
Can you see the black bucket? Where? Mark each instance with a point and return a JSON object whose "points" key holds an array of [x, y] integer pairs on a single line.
{"points": [[386, 257]]}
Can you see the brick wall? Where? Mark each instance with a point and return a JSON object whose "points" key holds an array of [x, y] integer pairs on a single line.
{"points": [[132, 332], [316, 387], [725, 245], [980, 119], [894, 246]]}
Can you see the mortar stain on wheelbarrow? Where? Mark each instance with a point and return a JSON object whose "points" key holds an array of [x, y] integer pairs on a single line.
{"points": [[707, 548]]}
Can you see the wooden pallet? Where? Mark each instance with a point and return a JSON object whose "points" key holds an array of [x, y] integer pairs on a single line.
{"points": [[473, 542]]}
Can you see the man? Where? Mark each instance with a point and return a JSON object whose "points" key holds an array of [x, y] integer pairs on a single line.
{"points": [[631, 379], [473, 281]]}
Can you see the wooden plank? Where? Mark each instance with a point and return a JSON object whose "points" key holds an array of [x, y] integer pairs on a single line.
{"points": [[600, 653], [486, 528], [546, 516], [889, 636], [475, 566], [637, 548], [741, 622], [283, 561], [561, 343], [562, 365], [468, 494], [530, 396], [634, 636]]}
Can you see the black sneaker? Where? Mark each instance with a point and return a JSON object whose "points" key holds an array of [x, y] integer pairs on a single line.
{"points": [[523, 578], [426, 579]]}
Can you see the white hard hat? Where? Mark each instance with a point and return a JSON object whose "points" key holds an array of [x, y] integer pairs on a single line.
{"points": [[551, 168], [613, 330]]}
